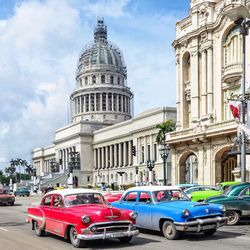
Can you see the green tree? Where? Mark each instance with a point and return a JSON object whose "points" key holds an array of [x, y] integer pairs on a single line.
{"points": [[164, 128], [29, 170]]}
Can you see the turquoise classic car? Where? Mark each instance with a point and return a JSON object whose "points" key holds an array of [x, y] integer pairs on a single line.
{"points": [[236, 200], [168, 209]]}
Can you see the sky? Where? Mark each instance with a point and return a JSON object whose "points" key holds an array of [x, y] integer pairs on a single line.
{"points": [[40, 43]]}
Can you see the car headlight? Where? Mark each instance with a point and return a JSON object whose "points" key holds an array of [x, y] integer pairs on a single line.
{"points": [[133, 215], [223, 208], [186, 212], [85, 219]]}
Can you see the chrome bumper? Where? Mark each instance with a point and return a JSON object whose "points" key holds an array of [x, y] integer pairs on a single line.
{"points": [[88, 235], [201, 225]]}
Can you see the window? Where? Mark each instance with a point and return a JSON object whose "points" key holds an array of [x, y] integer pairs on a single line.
{"points": [[93, 79], [58, 201], [131, 197], [111, 79], [246, 192], [103, 79], [86, 80], [118, 80], [47, 201], [144, 197]]}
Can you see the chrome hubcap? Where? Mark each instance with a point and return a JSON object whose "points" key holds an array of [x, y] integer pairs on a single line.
{"points": [[169, 230]]}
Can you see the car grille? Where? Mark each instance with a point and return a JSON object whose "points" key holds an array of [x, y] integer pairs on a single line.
{"points": [[202, 218], [105, 227]]}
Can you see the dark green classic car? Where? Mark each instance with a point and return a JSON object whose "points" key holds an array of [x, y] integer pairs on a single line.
{"points": [[236, 200]]}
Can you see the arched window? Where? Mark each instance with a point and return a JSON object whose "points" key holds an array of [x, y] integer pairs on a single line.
{"points": [[232, 48], [118, 80], [93, 79], [111, 79], [103, 79], [86, 80]]}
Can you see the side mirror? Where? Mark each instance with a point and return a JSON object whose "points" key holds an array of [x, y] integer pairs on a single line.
{"points": [[148, 202], [240, 197]]}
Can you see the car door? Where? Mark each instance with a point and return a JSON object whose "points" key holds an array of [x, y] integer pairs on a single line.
{"points": [[244, 201], [57, 221], [46, 207], [143, 207]]}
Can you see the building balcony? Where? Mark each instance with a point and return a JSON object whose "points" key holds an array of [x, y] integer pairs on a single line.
{"points": [[232, 72]]}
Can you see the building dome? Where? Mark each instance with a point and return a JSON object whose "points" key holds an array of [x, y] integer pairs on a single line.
{"points": [[101, 80]]}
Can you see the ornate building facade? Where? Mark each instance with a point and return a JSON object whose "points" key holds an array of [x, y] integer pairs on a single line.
{"points": [[208, 50], [102, 131]]}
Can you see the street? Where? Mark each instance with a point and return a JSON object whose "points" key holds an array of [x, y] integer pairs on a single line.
{"points": [[16, 234]]}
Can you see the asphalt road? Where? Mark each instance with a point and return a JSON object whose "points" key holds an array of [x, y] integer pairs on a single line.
{"points": [[15, 234]]}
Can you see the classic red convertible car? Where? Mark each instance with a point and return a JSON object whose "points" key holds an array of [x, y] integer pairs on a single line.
{"points": [[81, 215], [7, 199]]}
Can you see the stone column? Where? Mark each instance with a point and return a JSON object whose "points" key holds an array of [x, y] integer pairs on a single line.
{"points": [[204, 85], [117, 103], [130, 152], [84, 108], [115, 155], [103, 158], [100, 101], [194, 85], [106, 157], [120, 154], [99, 158], [125, 154], [210, 80], [95, 102], [179, 93], [107, 101], [94, 160], [122, 103], [112, 102]]}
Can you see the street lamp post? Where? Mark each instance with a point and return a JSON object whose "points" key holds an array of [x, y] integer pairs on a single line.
{"points": [[240, 15], [120, 177], [164, 151], [150, 166], [136, 175]]}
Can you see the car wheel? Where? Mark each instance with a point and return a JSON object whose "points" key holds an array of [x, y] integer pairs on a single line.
{"points": [[126, 239], [76, 242], [210, 232], [39, 232], [12, 203], [233, 217], [169, 230]]}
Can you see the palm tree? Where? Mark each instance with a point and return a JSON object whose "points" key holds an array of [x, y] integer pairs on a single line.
{"points": [[29, 170], [164, 128]]}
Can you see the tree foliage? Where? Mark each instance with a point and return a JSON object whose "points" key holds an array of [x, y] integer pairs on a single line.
{"points": [[164, 128]]}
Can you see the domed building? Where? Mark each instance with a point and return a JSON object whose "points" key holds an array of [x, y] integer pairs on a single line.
{"points": [[98, 142], [102, 93]]}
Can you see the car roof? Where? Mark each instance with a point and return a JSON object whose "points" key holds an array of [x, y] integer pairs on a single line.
{"points": [[72, 191], [153, 188], [200, 186]]}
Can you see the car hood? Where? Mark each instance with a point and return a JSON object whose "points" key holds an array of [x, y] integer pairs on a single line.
{"points": [[97, 211], [216, 198], [196, 209]]}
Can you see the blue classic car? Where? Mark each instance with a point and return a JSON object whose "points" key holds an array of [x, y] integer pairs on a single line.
{"points": [[168, 209]]}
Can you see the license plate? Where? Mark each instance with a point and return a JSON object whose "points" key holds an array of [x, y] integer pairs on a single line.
{"points": [[118, 234], [207, 227]]}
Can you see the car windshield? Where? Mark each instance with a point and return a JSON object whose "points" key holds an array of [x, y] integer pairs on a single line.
{"points": [[83, 198], [169, 195]]}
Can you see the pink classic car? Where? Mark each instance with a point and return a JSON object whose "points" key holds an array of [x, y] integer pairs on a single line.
{"points": [[81, 215]]}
